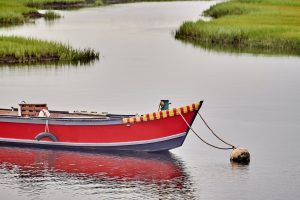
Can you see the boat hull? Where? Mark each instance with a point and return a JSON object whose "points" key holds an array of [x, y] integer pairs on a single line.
{"points": [[151, 132]]}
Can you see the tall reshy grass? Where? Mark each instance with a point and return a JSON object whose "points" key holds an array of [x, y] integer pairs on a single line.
{"points": [[250, 25], [27, 50], [50, 15], [12, 12], [41, 3]]}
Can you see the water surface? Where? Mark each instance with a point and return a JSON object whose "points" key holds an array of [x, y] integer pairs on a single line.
{"points": [[252, 101]]}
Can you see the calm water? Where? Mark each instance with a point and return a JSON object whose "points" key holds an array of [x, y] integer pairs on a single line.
{"points": [[252, 101]]}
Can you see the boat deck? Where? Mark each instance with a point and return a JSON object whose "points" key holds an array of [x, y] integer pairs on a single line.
{"points": [[8, 112], [57, 114]]}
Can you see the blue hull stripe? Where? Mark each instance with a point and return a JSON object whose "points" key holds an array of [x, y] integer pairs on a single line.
{"points": [[160, 144]]}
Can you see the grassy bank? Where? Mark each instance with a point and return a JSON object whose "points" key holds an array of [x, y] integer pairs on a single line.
{"points": [[256, 26], [25, 50], [13, 12], [54, 4], [61, 4]]}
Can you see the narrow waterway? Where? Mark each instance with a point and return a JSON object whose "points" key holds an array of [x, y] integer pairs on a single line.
{"points": [[251, 100]]}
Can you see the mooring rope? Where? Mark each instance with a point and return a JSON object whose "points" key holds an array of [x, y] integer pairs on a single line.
{"points": [[233, 147], [223, 148]]}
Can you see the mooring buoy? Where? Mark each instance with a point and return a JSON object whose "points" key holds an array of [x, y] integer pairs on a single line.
{"points": [[240, 155]]}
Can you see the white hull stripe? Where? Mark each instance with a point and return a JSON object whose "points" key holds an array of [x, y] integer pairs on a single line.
{"points": [[91, 144]]}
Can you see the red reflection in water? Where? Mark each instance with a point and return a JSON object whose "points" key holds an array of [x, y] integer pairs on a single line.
{"points": [[141, 167]]}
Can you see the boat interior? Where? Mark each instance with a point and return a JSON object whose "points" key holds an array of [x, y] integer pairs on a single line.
{"points": [[41, 110]]}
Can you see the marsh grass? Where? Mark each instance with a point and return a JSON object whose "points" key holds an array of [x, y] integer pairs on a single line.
{"points": [[26, 50], [260, 26], [50, 15], [15, 50], [44, 3], [12, 12], [56, 4], [61, 4]]}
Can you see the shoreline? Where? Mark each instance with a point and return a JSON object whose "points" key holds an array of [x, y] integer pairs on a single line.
{"points": [[14, 50], [22, 50], [256, 27]]}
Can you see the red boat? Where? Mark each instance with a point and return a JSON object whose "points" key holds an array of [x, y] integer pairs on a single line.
{"points": [[34, 125]]}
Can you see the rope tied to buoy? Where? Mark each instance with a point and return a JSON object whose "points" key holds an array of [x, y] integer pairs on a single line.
{"points": [[222, 140], [238, 155], [214, 146]]}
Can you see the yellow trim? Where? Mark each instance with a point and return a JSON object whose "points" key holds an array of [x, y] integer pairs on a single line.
{"points": [[145, 118], [157, 115], [178, 111], [191, 108], [131, 120], [164, 114], [171, 113], [151, 116], [185, 110], [138, 119]]}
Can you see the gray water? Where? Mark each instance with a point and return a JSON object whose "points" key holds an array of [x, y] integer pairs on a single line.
{"points": [[251, 100]]}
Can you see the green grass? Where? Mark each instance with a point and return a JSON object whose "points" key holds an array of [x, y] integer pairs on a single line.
{"points": [[256, 26], [64, 4], [12, 12], [60, 4], [50, 15], [40, 2], [26, 50]]}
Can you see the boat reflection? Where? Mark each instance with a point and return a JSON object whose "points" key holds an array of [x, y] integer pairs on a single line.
{"points": [[39, 171], [118, 166]]}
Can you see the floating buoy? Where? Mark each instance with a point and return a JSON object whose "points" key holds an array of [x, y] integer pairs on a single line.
{"points": [[240, 155]]}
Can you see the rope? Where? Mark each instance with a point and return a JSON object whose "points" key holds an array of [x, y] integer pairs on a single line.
{"points": [[233, 147], [159, 107], [47, 127], [223, 148]]}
